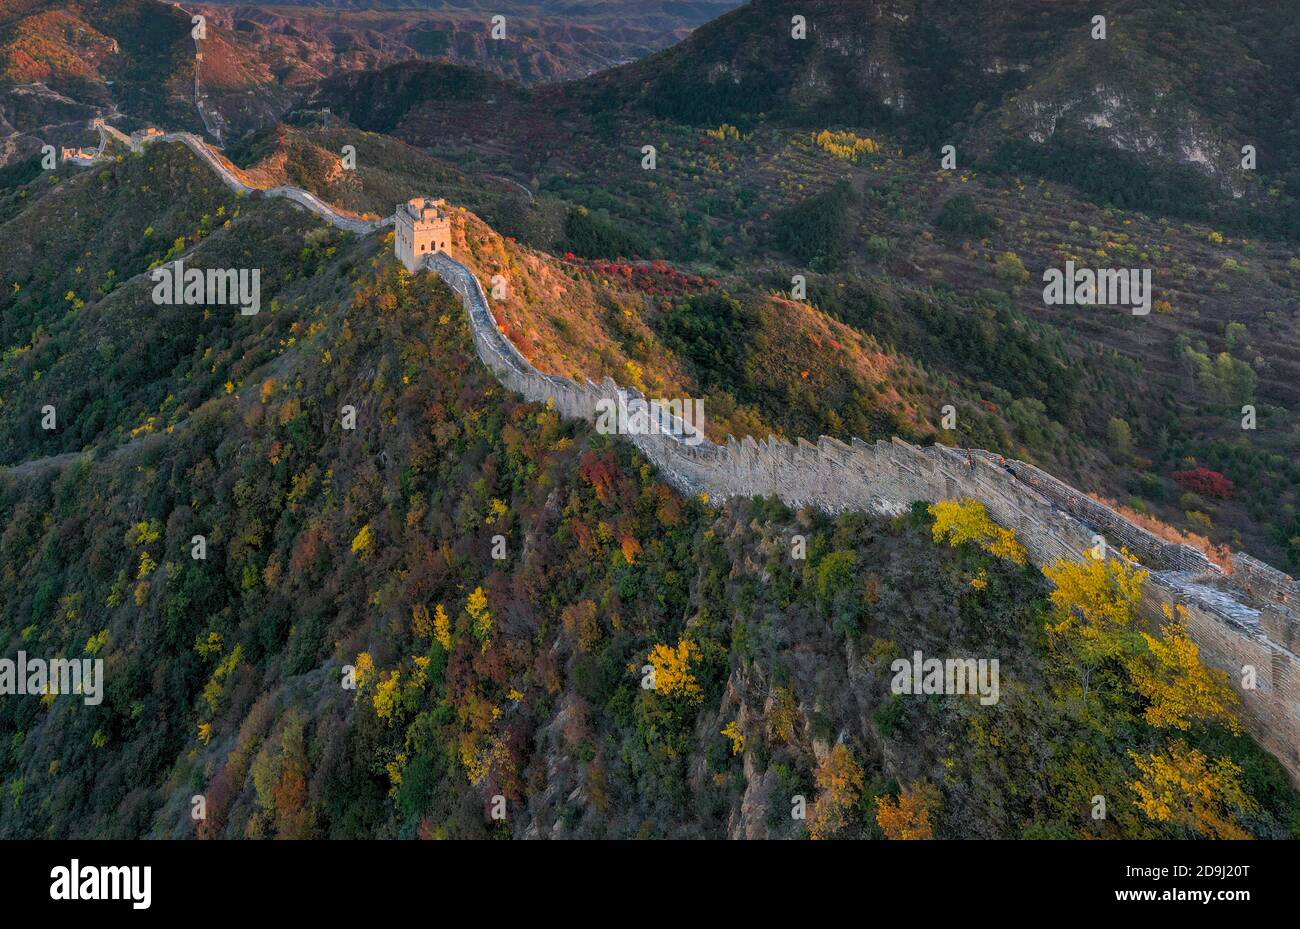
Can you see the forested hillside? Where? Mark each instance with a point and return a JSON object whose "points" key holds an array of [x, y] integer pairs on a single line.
{"points": [[798, 164], [369, 556], [346, 585], [62, 63]]}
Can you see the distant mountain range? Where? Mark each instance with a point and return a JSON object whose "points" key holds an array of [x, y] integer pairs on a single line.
{"points": [[1175, 82], [62, 63], [1180, 81], [542, 41]]}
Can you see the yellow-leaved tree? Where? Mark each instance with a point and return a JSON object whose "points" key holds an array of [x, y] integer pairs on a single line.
{"points": [[1091, 633], [908, 817], [442, 627], [966, 520], [477, 608], [845, 145], [363, 544], [387, 694], [396, 695], [1094, 604], [1182, 690], [840, 780], [1185, 787], [732, 731], [1095, 618], [672, 674], [363, 670]]}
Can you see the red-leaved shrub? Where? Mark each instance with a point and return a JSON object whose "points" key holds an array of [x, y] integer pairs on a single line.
{"points": [[1205, 482]]}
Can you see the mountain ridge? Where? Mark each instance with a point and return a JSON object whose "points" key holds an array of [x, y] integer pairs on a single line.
{"points": [[497, 578]]}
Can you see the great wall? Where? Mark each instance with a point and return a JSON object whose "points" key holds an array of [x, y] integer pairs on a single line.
{"points": [[1247, 617]]}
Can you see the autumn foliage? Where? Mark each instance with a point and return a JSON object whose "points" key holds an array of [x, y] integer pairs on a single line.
{"points": [[840, 780], [1205, 482], [1180, 688], [657, 278], [1185, 787], [673, 676], [1221, 555], [967, 520], [1095, 627], [1095, 602], [908, 817]]}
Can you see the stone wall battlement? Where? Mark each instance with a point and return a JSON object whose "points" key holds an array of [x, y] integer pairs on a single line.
{"points": [[1246, 619], [1249, 618]]}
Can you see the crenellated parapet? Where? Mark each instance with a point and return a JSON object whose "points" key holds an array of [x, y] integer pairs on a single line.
{"points": [[1246, 621]]}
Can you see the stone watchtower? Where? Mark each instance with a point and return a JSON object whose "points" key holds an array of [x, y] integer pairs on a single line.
{"points": [[423, 227]]}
